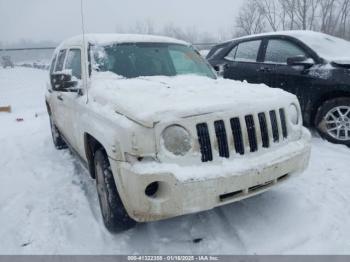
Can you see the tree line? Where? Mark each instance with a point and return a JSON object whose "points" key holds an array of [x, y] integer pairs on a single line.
{"points": [[254, 16], [327, 16]]}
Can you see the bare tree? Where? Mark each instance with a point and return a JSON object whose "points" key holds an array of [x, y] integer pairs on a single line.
{"points": [[328, 16], [250, 19], [306, 11], [271, 11], [344, 19], [173, 31], [143, 27]]}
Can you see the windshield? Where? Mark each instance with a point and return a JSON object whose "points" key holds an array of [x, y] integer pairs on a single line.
{"points": [[326, 46], [150, 59]]}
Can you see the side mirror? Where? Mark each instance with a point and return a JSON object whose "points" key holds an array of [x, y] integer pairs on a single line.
{"points": [[300, 61], [62, 82]]}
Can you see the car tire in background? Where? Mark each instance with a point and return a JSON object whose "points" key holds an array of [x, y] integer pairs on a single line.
{"points": [[57, 139], [332, 121], [114, 215]]}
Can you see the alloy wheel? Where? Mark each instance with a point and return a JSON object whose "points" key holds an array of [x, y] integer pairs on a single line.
{"points": [[338, 123]]}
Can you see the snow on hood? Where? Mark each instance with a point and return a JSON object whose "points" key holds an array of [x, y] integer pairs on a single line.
{"points": [[148, 100], [342, 62]]}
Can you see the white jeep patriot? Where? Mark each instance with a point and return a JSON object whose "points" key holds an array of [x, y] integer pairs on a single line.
{"points": [[161, 134]]}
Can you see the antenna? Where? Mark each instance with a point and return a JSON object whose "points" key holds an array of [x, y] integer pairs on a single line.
{"points": [[84, 49]]}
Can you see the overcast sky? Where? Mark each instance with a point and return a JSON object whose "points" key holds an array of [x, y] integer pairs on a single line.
{"points": [[55, 20]]}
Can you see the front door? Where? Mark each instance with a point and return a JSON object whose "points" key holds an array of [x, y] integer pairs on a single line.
{"points": [[70, 100], [294, 79], [57, 105]]}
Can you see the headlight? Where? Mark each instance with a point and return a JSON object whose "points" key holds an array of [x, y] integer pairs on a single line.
{"points": [[294, 114], [176, 140]]}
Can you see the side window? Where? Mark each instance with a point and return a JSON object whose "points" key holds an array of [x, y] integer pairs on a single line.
{"points": [[53, 64], [60, 60], [248, 51], [279, 50], [73, 62]]}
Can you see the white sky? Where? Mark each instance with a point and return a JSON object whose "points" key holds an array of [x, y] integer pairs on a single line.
{"points": [[55, 20]]}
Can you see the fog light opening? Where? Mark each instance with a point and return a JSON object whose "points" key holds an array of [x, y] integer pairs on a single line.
{"points": [[152, 189]]}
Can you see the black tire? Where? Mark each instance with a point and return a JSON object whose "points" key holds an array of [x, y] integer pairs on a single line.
{"points": [[114, 215], [343, 122], [57, 139]]}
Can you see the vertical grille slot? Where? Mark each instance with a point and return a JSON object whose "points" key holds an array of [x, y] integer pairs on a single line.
{"points": [[274, 126], [237, 135], [251, 133], [283, 123], [264, 130], [204, 142], [221, 136]]}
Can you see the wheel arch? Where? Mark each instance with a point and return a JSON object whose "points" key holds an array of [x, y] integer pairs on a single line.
{"points": [[91, 145]]}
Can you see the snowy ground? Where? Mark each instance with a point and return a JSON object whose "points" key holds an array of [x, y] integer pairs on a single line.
{"points": [[48, 203]]}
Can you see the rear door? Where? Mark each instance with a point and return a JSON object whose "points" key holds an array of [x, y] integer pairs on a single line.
{"points": [[242, 62]]}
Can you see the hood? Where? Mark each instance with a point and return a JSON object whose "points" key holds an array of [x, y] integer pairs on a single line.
{"points": [[149, 100], [342, 63]]}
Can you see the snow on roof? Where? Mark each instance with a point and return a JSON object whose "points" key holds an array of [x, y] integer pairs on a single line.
{"points": [[328, 47], [105, 39]]}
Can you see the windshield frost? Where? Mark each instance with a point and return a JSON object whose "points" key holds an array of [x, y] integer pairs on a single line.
{"points": [[150, 59]]}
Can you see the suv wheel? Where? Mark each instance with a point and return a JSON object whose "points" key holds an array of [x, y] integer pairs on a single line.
{"points": [[57, 139], [113, 211], [333, 121]]}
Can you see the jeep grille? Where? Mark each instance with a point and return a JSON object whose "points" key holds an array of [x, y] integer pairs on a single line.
{"points": [[249, 134]]}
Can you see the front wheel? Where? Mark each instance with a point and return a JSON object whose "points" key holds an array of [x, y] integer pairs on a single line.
{"points": [[333, 121], [114, 215]]}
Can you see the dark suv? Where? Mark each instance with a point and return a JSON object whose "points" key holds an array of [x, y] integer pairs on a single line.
{"points": [[313, 66]]}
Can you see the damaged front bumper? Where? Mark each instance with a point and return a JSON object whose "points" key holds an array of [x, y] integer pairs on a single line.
{"points": [[183, 190]]}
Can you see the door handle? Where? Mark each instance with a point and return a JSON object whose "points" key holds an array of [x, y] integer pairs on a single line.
{"points": [[59, 97], [264, 69]]}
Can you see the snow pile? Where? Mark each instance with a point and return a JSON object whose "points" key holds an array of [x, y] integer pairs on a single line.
{"points": [[48, 203], [154, 98]]}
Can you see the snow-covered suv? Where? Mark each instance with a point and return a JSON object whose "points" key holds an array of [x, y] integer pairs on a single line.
{"points": [[162, 135]]}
